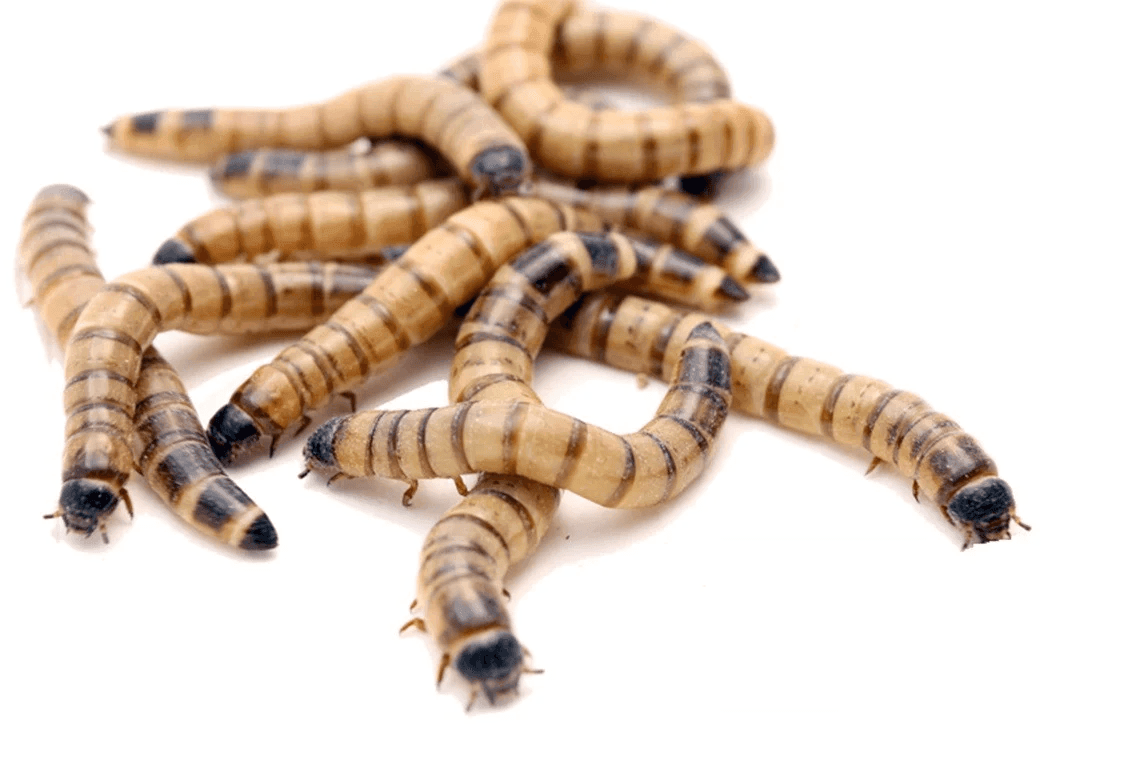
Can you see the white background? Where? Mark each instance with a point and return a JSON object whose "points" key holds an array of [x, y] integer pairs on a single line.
{"points": [[950, 204]]}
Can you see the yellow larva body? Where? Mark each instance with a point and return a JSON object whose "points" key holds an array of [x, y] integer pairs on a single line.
{"points": [[169, 442], [896, 427], [104, 360], [674, 217], [610, 145], [437, 110], [339, 225], [404, 306], [263, 172]]}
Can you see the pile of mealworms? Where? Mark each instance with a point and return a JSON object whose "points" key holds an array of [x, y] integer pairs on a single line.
{"points": [[370, 219]]}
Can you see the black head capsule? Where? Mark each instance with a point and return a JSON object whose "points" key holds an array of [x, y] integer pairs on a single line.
{"points": [[232, 433], [85, 504], [319, 451], [173, 251], [500, 170], [492, 660], [986, 506]]}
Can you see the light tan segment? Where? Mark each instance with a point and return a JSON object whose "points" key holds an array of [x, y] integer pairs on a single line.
{"points": [[679, 219], [339, 225], [637, 46], [896, 427], [437, 110], [611, 145], [409, 301], [121, 320], [264, 172], [56, 256]]}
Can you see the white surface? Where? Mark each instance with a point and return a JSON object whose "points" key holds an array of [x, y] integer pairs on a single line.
{"points": [[950, 203]]}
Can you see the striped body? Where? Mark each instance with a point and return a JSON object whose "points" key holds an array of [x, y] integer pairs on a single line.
{"points": [[674, 217], [263, 172], [406, 305], [524, 438], [339, 225], [451, 118], [104, 361], [169, 442], [609, 145], [896, 427]]}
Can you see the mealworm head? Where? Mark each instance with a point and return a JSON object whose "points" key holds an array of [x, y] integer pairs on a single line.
{"points": [[765, 272], [984, 506], [319, 451], [703, 186], [492, 660], [232, 432], [499, 170], [173, 251], [85, 504]]}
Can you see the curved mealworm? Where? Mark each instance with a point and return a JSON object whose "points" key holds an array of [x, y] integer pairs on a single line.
{"points": [[326, 224], [894, 426], [404, 306], [674, 217], [524, 438], [449, 117], [104, 358], [262, 172], [169, 442], [612, 145]]}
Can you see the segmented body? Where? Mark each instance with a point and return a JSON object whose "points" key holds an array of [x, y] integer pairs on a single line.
{"points": [[437, 110], [169, 442], [405, 305], [896, 427], [340, 225], [674, 217], [611, 145], [263, 172], [104, 361]]}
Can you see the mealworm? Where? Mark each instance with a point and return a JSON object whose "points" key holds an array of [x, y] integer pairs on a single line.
{"points": [[610, 145], [326, 224], [169, 443], [674, 217], [894, 426], [524, 438], [262, 172], [449, 117], [104, 358], [405, 305]]}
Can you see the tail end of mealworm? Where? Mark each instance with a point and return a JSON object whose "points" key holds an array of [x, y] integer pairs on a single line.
{"points": [[764, 271], [731, 291], [261, 534]]}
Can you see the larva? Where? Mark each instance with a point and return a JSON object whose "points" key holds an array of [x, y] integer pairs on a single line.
{"points": [[404, 306], [896, 427], [608, 145], [449, 117], [325, 224], [524, 438], [263, 172], [672, 216], [169, 442], [104, 359]]}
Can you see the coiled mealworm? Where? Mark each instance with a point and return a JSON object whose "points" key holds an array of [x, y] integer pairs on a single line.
{"points": [[672, 216], [263, 172], [104, 358], [325, 224], [169, 442], [449, 117], [610, 145], [894, 426], [405, 305]]}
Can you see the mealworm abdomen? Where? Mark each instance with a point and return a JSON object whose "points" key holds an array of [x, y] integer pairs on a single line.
{"points": [[896, 427]]}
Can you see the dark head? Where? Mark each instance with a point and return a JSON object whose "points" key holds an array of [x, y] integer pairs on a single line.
{"points": [[493, 661], [173, 251], [319, 451], [85, 504], [500, 170], [985, 508], [232, 433]]}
